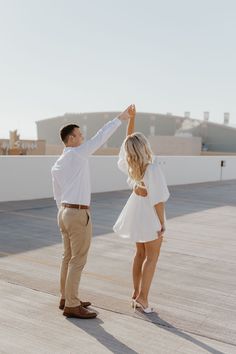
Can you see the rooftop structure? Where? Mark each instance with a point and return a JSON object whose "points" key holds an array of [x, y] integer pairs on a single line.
{"points": [[16, 146], [214, 137]]}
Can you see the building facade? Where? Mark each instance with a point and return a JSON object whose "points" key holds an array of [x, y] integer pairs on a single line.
{"points": [[211, 136]]}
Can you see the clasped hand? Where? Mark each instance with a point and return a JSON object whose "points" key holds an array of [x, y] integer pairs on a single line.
{"points": [[129, 113]]}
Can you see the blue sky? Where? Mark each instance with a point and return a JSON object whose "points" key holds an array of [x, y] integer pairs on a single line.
{"points": [[62, 56]]}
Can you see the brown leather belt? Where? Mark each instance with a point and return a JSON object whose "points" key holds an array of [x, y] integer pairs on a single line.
{"points": [[75, 206]]}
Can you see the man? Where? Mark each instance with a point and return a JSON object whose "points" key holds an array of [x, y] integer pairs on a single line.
{"points": [[72, 192]]}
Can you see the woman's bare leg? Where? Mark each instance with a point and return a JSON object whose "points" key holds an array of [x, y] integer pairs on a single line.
{"points": [[152, 251], [137, 268]]}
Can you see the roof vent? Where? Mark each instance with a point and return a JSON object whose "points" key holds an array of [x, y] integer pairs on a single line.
{"points": [[226, 118], [206, 116], [187, 114]]}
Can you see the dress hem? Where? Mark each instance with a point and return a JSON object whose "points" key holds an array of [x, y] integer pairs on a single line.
{"points": [[138, 241]]}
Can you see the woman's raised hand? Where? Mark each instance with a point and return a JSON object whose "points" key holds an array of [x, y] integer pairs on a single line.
{"points": [[126, 115], [132, 111]]}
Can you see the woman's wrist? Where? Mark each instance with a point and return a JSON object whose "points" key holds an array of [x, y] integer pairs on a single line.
{"points": [[163, 227]]}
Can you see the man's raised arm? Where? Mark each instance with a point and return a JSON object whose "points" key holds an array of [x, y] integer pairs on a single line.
{"points": [[93, 144]]}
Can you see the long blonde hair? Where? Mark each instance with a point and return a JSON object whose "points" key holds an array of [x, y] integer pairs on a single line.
{"points": [[138, 154]]}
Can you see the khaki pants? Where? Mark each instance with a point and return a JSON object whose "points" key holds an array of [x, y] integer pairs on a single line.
{"points": [[76, 229]]}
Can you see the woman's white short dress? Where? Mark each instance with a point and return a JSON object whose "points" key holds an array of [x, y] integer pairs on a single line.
{"points": [[138, 220]]}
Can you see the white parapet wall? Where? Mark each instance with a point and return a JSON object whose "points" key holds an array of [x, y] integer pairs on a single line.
{"points": [[29, 177]]}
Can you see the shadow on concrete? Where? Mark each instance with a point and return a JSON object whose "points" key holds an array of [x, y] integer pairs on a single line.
{"points": [[94, 328], [158, 321], [28, 225]]}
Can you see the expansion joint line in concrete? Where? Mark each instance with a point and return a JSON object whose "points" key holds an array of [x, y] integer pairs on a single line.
{"points": [[169, 327]]}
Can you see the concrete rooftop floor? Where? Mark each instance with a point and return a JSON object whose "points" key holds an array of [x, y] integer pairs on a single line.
{"points": [[194, 289]]}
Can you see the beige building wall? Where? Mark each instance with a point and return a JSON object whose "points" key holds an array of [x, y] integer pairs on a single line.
{"points": [[40, 148], [107, 151], [22, 147], [53, 149], [216, 137], [161, 145], [175, 145]]}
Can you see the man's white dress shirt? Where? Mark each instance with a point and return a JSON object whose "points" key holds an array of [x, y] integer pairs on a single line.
{"points": [[71, 174]]}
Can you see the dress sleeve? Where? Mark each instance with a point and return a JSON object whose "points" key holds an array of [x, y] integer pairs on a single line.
{"points": [[157, 187], [122, 163]]}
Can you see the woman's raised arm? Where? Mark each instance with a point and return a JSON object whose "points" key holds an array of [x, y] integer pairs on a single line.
{"points": [[130, 126]]}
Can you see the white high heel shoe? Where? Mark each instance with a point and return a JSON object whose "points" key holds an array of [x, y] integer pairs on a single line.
{"points": [[145, 309], [133, 303]]}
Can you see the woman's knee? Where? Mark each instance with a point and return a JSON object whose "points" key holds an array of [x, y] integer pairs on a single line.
{"points": [[152, 254], [140, 254]]}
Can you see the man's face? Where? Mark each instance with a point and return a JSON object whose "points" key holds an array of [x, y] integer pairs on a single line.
{"points": [[76, 137]]}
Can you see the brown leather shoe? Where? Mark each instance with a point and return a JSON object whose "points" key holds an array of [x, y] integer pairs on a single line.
{"points": [[78, 312], [83, 303]]}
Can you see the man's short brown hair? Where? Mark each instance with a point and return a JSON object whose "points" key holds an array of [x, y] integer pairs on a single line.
{"points": [[66, 131]]}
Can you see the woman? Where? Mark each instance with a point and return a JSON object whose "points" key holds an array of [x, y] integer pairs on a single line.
{"points": [[143, 217]]}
